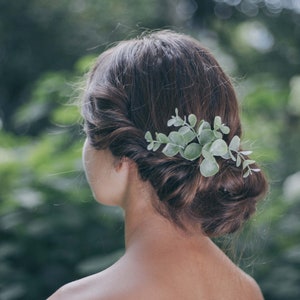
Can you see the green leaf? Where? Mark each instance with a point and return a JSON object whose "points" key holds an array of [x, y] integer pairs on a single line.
{"points": [[238, 161], [218, 148], [217, 134], [232, 156], [225, 129], [192, 151], [248, 162], [156, 146], [162, 138], [207, 154], [206, 125], [226, 155], [184, 129], [187, 134], [209, 167], [170, 150], [203, 125], [206, 136], [217, 122], [178, 122], [171, 122], [246, 152], [150, 146], [148, 136], [177, 138], [192, 120], [235, 144], [247, 173]]}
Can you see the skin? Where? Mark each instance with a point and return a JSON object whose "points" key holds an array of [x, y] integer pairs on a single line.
{"points": [[160, 261]]}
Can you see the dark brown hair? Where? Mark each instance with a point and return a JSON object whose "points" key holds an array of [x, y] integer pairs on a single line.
{"points": [[135, 87]]}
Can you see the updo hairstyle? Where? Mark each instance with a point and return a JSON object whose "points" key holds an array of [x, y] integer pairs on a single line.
{"points": [[135, 87]]}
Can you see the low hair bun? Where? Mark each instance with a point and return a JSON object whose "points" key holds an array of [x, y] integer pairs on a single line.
{"points": [[225, 201], [219, 204]]}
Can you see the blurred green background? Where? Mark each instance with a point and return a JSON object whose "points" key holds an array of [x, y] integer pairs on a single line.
{"points": [[51, 229]]}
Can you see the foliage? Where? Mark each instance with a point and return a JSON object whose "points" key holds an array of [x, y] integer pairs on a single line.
{"points": [[52, 232], [194, 140], [41, 36]]}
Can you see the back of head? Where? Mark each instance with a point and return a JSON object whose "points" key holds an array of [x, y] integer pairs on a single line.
{"points": [[135, 87]]}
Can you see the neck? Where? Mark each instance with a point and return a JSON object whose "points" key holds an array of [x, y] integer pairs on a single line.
{"points": [[142, 222], [146, 228]]}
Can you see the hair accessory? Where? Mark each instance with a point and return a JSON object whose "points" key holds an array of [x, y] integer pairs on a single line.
{"points": [[193, 140]]}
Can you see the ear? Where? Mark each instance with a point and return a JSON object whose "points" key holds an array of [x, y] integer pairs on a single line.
{"points": [[126, 170], [121, 164], [122, 169]]}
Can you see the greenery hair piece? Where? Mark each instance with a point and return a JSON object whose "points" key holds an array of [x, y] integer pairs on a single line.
{"points": [[193, 140]]}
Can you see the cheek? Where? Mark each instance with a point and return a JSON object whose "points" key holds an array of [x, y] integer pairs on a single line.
{"points": [[99, 174], [91, 166], [87, 161]]}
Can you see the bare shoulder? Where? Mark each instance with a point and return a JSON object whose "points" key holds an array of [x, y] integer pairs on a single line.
{"points": [[251, 289], [73, 290], [134, 281], [87, 288], [93, 288], [110, 284], [61, 293]]}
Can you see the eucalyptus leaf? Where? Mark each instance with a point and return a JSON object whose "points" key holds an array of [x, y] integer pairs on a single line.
{"points": [[171, 122], [192, 151], [232, 156], [247, 173], [234, 145], [162, 138], [226, 155], [170, 150], [219, 148], [206, 148], [217, 122], [247, 163], [209, 167], [206, 154], [206, 125], [178, 122], [177, 138], [192, 120], [156, 146], [225, 129], [246, 152], [200, 127], [148, 136], [150, 146], [217, 134], [203, 125], [187, 133], [206, 136], [184, 129]]}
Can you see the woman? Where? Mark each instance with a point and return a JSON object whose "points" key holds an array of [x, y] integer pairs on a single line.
{"points": [[176, 189]]}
